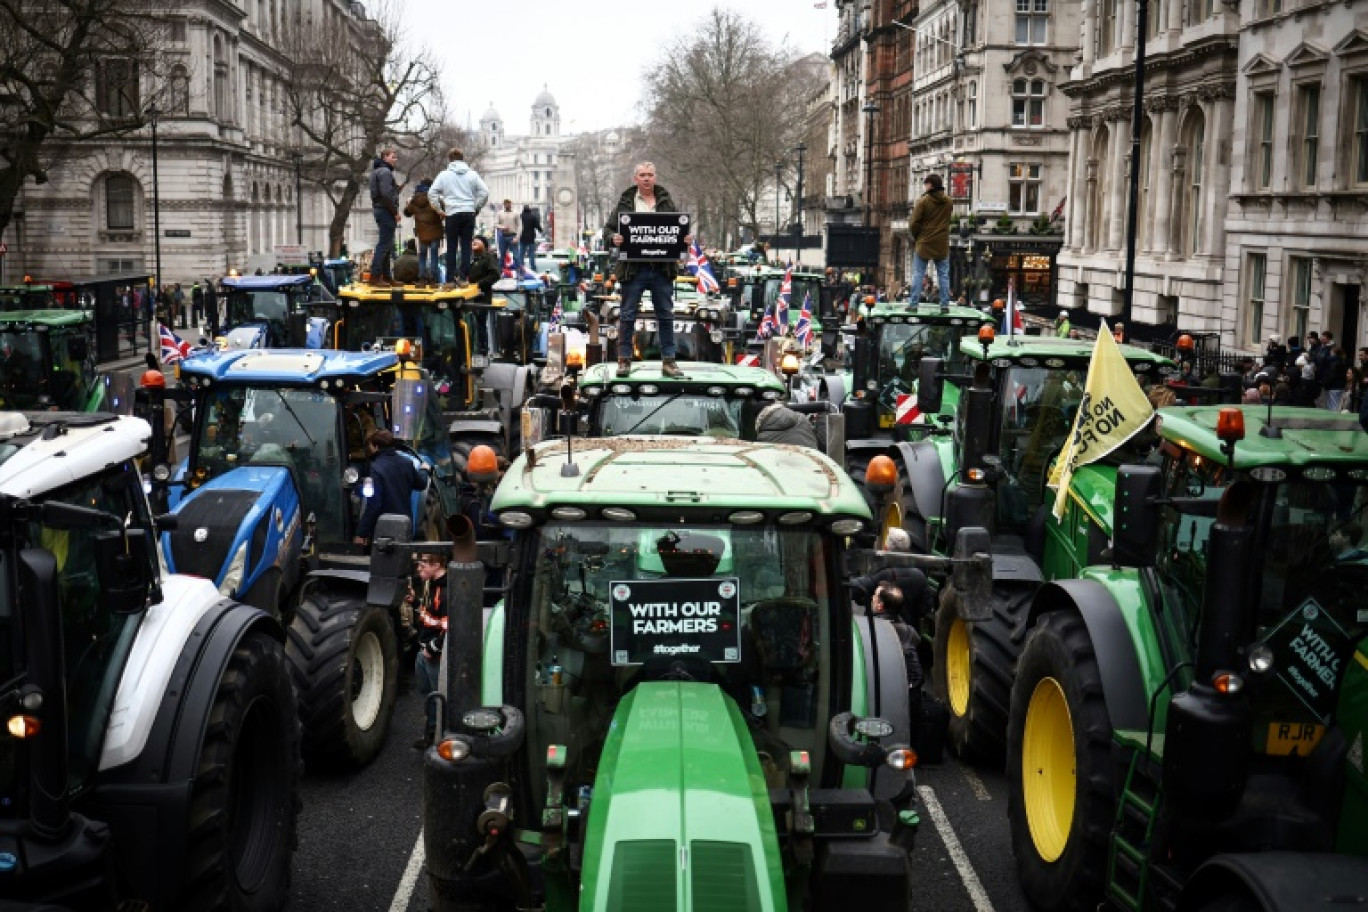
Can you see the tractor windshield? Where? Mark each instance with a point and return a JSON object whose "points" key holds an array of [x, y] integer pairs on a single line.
{"points": [[1038, 406], [903, 345], [297, 428], [23, 358], [691, 414], [749, 609], [258, 307]]}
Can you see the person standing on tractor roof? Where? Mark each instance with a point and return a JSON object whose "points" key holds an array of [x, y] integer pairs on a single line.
{"points": [[930, 228], [527, 241], [645, 196], [457, 194], [393, 478], [484, 272], [428, 227], [507, 224], [384, 193]]}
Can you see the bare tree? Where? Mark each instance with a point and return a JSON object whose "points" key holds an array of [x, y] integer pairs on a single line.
{"points": [[426, 162], [723, 105], [70, 71], [351, 95]]}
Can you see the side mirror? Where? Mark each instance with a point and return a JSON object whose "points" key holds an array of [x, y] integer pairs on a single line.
{"points": [[123, 563], [389, 564], [930, 386], [1135, 541]]}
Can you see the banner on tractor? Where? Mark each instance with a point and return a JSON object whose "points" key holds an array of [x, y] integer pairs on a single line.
{"points": [[1114, 409], [699, 618], [654, 237]]}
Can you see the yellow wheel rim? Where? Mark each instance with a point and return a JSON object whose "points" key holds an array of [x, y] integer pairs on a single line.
{"points": [[1048, 774], [958, 667], [892, 519]]}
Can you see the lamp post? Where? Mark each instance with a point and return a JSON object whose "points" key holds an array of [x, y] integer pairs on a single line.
{"points": [[299, 200], [1133, 191], [869, 109], [156, 233], [798, 227], [778, 176]]}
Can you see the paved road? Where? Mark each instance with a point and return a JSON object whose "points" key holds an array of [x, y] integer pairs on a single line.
{"points": [[358, 832]]}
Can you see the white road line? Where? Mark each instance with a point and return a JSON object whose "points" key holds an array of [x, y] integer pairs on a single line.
{"points": [[976, 784], [977, 894], [409, 881]]}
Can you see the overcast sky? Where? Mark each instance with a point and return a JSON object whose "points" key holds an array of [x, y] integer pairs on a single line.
{"points": [[589, 53]]}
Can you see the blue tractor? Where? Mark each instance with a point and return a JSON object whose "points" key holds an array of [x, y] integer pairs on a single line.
{"points": [[268, 311], [268, 504]]}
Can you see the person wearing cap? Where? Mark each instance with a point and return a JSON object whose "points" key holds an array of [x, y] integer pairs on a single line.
{"points": [[1062, 327], [484, 272], [930, 228], [1276, 354], [429, 605]]}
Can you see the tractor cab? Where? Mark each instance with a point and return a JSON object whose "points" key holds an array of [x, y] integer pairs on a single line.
{"points": [[47, 361], [28, 296], [269, 311]]}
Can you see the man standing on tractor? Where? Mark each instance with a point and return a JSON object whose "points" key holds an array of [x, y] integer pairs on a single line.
{"points": [[930, 227], [393, 479], [384, 192], [458, 194], [635, 278]]}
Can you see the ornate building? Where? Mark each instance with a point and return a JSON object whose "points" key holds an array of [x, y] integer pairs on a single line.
{"points": [[522, 168], [226, 179], [1296, 253], [1185, 163], [846, 140]]}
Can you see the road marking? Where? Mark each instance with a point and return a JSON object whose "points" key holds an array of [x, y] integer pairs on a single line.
{"points": [[409, 881], [977, 895], [976, 784]]}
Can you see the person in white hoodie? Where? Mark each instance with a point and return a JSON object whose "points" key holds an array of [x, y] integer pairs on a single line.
{"points": [[458, 194]]}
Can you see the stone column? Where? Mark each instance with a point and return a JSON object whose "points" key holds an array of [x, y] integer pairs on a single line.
{"points": [[1161, 191], [1089, 30], [1118, 183], [1078, 181], [1216, 182]]}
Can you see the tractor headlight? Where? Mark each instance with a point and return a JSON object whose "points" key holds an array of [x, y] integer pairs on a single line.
{"points": [[350, 476], [236, 567], [1260, 658], [161, 472]]}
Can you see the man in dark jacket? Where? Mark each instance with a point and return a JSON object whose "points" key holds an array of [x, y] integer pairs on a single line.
{"points": [[484, 272], [384, 193], [394, 478], [930, 228], [636, 278], [777, 423], [527, 241]]}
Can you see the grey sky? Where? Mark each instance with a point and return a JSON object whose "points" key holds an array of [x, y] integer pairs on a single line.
{"points": [[589, 53]]}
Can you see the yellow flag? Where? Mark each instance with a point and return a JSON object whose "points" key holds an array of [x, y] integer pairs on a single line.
{"points": [[1113, 410]]}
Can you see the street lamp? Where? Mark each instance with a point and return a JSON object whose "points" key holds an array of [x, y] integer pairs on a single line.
{"points": [[869, 109], [798, 228], [778, 176], [156, 231], [299, 201]]}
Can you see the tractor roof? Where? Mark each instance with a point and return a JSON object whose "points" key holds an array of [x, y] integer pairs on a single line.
{"points": [[1309, 436], [22, 319], [285, 365], [698, 376], [678, 476], [1038, 351], [266, 282], [57, 448], [893, 312]]}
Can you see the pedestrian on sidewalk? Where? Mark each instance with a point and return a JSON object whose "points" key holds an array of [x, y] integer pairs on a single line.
{"points": [[458, 194], [197, 303], [428, 227], [384, 193], [178, 306], [930, 228]]}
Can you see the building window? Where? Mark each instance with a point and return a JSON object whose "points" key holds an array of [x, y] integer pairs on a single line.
{"points": [[1263, 131], [1023, 188], [176, 30], [1358, 97], [119, 192], [1301, 295], [117, 89], [178, 95], [1028, 103], [1146, 144], [1258, 273], [1196, 154], [1266, 8], [973, 104], [1032, 21], [1308, 128], [1106, 28]]}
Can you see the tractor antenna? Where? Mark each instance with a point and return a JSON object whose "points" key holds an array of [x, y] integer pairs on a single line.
{"points": [[1269, 430], [567, 391]]}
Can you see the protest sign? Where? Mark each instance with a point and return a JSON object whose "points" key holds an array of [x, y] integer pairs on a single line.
{"points": [[656, 237], [675, 617]]}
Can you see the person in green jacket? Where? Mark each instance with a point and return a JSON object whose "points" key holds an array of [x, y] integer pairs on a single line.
{"points": [[930, 228], [1062, 326]]}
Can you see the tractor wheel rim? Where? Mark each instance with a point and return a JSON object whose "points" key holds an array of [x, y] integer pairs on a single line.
{"points": [[368, 664], [893, 518], [958, 667], [1048, 773]]}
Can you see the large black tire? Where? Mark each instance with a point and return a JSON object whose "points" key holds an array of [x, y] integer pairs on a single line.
{"points": [[346, 671], [972, 670], [461, 447], [245, 803], [1061, 779]]}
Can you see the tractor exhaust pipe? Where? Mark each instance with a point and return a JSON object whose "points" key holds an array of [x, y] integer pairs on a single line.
{"points": [[465, 649]]}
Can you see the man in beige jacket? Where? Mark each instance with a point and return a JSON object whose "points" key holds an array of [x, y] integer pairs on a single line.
{"points": [[930, 228], [507, 224]]}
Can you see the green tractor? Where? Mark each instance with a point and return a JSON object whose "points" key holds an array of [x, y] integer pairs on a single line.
{"points": [[47, 361], [675, 706], [1014, 417], [1189, 713]]}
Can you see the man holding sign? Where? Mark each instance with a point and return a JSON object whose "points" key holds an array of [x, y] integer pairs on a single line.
{"points": [[636, 277], [1114, 409]]}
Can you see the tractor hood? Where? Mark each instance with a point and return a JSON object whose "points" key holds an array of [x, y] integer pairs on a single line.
{"points": [[680, 816], [217, 518]]}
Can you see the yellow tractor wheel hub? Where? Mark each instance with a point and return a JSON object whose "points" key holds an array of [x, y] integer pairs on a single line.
{"points": [[1048, 773], [959, 665]]}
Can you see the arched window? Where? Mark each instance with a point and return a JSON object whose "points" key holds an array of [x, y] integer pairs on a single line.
{"points": [[120, 194], [973, 104], [1145, 166], [178, 100], [221, 90], [1194, 143]]}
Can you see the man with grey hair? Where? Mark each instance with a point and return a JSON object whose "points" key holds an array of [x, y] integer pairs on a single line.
{"points": [[645, 195]]}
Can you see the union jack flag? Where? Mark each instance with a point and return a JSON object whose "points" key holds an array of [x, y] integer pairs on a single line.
{"points": [[699, 266], [173, 347], [768, 324], [557, 314], [803, 331], [508, 272], [785, 297]]}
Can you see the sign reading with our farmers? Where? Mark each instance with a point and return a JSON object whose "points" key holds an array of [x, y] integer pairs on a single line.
{"points": [[1309, 650], [675, 617], [656, 237]]}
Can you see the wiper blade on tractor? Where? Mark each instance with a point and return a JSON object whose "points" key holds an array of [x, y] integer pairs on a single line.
{"points": [[653, 413], [285, 402]]}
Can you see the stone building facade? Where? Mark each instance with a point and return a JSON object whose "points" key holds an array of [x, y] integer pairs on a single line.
{"points": [[226, 178], [522, 167], [1296, 253]]}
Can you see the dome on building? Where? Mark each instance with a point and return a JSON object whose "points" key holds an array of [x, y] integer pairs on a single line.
{"points": [[545, 98], [490, 114]]}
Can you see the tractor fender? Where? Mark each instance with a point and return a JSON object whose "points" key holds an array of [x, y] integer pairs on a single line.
{"points": [[925, 479], [1123, 682], [146, 798], [868, 447], [1279, 881], [894, 705], [347, 578], [832, 389]]}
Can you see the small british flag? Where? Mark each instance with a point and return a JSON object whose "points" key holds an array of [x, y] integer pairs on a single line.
{"points": [[803, 331], [173, 347]]}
